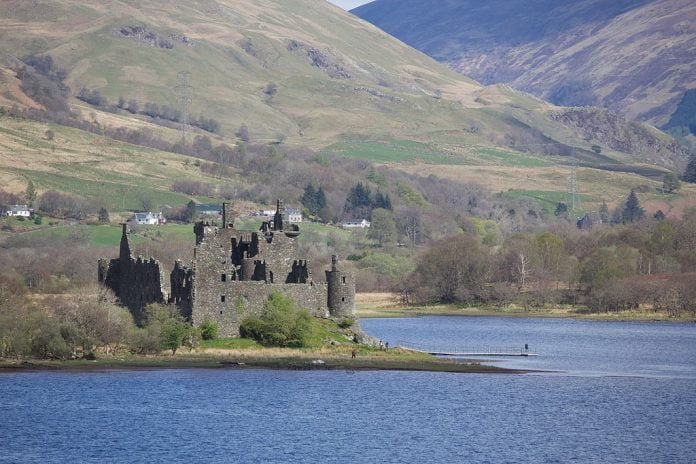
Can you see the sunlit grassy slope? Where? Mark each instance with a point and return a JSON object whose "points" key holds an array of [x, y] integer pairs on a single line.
{"points": [[343, 88]]}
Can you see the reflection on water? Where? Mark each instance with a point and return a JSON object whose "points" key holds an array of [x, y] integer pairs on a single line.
{"points": [[224, 416]]}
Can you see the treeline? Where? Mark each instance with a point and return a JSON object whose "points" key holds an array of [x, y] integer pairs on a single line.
{"points": [[650, 264], [86, 324], [159, 114]]}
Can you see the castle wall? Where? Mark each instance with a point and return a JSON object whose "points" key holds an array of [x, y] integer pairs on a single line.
{"points": [[181, 285], [136, 282], [232, 275], [229, 303]]}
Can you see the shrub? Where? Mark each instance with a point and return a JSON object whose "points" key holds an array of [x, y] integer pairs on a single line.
{"points": [[346, 323], [282, 323], [209, 330], [173, 334], [145, 341]]}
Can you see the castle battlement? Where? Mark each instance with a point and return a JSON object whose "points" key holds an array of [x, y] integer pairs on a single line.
{"points": [[232, 275]]}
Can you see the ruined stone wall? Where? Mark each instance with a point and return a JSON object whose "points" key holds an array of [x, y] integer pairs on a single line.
{"points": [[181, 283], [136, 282], [229, 303]]}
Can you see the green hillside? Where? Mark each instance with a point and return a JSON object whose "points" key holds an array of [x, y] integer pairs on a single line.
{"points": [[300, 73]]}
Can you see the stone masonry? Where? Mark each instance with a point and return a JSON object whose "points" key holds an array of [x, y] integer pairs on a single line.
{"points": [[136, 281], [232, 275]]}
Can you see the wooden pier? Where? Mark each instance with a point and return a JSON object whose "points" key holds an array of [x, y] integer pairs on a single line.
{"points": [[500, 351]]}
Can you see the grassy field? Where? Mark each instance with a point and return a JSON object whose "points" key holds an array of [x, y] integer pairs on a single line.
{"points": [[393, 151], [110, 235], [380, 305]]}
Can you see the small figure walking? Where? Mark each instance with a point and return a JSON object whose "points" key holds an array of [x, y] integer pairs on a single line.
{"points": [[352, 354], [386, 345], [381, 345], [526, 347]]}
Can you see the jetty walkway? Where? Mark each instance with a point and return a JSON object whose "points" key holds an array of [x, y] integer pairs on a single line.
{"points": [[482, 350]]}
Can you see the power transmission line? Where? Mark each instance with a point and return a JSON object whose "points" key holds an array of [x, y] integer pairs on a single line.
{"points": [[184, 100]]}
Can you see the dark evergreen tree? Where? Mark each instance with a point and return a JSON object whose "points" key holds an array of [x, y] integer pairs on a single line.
{"points": [[309, 198], [632, 210], [313, 199], [191, 213], [359, 202], [30, 193], [320, 199], [604, 213], [382, 201], [561, 209], [659, 215], [690, 173], [103, 216]]}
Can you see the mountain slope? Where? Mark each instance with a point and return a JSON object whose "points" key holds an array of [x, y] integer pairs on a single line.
{"points": [[334, 74], [633, 56], [308, 75]]}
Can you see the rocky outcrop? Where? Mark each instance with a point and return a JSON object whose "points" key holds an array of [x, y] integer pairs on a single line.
{"points": [[644, 143], [319, 60]]}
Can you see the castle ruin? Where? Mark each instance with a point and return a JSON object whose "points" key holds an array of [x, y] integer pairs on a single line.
{"points": [[232, 275]]}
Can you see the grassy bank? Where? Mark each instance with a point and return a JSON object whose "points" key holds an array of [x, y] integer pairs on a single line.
{"points": [[240, 355], [382, 305]]}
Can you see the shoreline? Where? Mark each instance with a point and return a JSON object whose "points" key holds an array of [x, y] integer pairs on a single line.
{"points": [[432, 364], [378, 312]]}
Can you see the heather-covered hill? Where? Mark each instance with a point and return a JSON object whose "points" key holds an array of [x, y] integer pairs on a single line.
{"points": [[632, 56]]}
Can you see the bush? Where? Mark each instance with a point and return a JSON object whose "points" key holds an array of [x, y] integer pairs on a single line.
{"points": [[282, 323], [173, 334], [145, 341], [209, 330], [346, 323], [65, 205]]}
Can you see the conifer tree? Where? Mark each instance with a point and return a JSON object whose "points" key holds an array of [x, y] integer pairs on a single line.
{"points": [[690, 173], [30, 193], [604, 213], [632, 210], [103, 216], [191, 213], [309, 198]]}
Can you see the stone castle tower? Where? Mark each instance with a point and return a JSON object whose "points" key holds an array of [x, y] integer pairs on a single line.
{"points": [[232, 275], [341, 291]]}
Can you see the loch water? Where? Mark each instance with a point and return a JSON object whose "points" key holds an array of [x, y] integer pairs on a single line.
{"points": [[606, 393]]}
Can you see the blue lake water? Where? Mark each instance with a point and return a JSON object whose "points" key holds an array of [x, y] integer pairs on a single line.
{"points": [[627, 394]]}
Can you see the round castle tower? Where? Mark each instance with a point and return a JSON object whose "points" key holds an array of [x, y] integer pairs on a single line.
{"points": [[341, 291]]}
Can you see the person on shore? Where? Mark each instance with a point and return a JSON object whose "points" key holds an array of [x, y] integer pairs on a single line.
{"points": [[352, 354], [386, 345]]}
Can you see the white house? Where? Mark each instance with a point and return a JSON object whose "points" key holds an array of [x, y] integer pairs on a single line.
{"points": [[19, 211], [293, 215], [364, 224], [149, 218]]}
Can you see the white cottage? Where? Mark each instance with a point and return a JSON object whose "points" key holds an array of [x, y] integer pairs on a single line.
{"points": [[149, 218], [19, 211]]}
